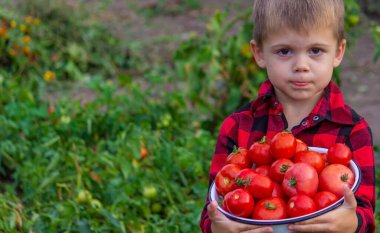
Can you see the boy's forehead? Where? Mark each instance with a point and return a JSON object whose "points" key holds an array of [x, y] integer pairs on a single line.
{"points": [[321, 35], [281, 27]]}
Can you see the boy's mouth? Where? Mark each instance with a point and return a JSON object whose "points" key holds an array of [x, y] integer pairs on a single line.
{"points": [[299, 84]]}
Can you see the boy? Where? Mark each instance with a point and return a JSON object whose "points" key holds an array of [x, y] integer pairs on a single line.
{"points": [[299, 42]]}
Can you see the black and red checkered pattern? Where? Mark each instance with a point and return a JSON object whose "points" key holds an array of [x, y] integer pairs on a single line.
{"points": [[330, 122]]}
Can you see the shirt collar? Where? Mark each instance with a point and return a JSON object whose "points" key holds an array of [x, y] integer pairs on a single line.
{"points": [[266, 91], [330, 107]]}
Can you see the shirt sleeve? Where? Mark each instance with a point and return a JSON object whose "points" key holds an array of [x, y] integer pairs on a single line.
{"points": [[363, 154], [227, 138]]}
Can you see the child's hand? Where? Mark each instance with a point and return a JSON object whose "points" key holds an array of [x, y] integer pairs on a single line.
{"points": [[221, 224], [342, 219]]}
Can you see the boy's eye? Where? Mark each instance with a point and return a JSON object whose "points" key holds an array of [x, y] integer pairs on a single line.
{"points": [[284, 52], [315, 51]]}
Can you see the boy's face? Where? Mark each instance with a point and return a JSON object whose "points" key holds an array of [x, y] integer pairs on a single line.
{"points": [[299, 65]]}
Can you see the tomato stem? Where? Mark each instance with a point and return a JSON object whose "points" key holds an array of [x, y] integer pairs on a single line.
{"points": [[263, 140], [221, 199], [292, 182], [284, 168], [241, 182], [226, 180], [344, 177], [269, 206], [235, 150]]}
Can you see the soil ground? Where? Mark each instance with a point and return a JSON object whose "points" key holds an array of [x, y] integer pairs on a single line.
{"points": [[167, 25]]}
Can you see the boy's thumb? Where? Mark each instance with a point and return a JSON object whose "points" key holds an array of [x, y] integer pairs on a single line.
{"points": [[349, 197], [212, 210]]}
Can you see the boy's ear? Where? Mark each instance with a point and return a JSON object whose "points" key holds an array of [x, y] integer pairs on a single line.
{"points": [[257, 53], [339, 53]]}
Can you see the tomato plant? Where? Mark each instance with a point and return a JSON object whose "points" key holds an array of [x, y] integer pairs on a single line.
{"points": [[74, 116], [150, 192]]}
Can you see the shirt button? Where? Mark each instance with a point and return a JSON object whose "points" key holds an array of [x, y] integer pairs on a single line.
{"points": [[274, 105], [304, 123], [315, 118], [279, 114]]}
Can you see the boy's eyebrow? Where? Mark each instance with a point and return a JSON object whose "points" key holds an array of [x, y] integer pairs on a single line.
{"points": [[281, 45]]}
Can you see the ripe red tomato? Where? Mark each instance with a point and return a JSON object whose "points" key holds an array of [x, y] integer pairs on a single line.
{"points": [[301, 178], [239, 156], [263, 170], [278, 192], [324, 155], [299, 205], [239, 202], [259, 152], [312, 158], [271, 208], [283, 145], [339, 153], [278, 169], [261, 187], [143, 152], [225, 178], [244, 177], [324, 199], [333, 177], [301, 146]]}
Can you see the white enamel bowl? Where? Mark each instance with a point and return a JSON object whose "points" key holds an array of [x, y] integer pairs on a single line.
{"points": [[281, 225]]}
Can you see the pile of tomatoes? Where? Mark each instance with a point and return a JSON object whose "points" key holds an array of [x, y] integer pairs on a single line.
{"points": [[282, 178]]}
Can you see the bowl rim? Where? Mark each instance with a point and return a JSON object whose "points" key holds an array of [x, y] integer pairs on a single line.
{"points": [[354, 188]]}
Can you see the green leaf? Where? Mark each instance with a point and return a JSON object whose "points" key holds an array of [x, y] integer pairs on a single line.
{"points": [[83, 226]]}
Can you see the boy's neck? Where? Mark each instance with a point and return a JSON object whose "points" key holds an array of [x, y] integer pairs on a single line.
{"points": [[296, 111]]}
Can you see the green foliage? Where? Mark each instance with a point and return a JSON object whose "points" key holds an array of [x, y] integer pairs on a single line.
{"points": [[80, 166], [55, 156], [375, 32], [51, 40], [218, 67], [170, 7], [355, 27], [371, 7]]}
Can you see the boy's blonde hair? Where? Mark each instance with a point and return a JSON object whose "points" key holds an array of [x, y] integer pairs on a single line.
{"points": [[299, 15]]}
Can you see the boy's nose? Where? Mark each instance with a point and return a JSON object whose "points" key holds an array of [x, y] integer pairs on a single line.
{"points": [[300, 64]]}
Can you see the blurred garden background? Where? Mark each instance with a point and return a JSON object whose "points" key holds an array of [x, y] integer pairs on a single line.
{"points": [[109, 109]]}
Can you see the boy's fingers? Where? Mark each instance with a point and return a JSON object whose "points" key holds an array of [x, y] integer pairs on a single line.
{"points": [[213, 212], [260, 230], [349, 197]]}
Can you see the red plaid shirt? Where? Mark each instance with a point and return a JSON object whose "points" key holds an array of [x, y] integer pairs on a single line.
{"points": [[330, 122]]}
